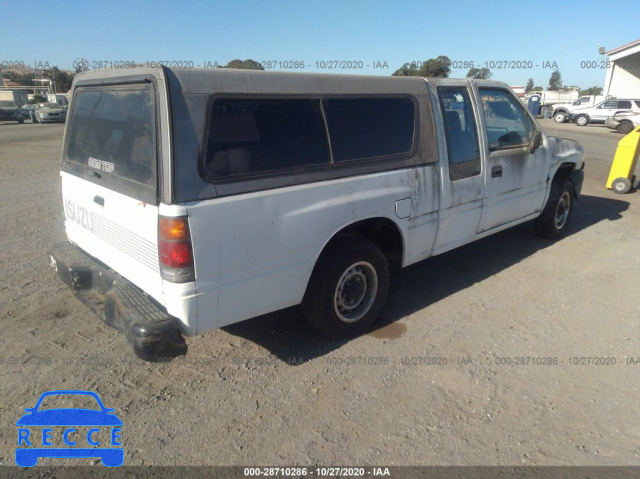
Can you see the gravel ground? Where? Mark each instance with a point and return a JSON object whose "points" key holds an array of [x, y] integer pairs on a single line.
{"points": [[268, 391]]}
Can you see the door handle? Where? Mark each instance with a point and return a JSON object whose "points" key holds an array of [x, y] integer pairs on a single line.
{"points": [[496, 171], [98, 200]]}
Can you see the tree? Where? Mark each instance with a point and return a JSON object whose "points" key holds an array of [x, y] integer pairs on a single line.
{"points": [[479, 73], [244, 65], [555, 81], [21, 78], [434, 67], [529, 86], [594, 90], [438, 67], [406, 70], [538, 88]]}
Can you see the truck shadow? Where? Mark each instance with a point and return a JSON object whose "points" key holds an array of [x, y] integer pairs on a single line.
{"points": [[286, 335]]}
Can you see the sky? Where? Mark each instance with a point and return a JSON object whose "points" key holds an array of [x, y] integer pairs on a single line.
{"points": [[517, 40]]}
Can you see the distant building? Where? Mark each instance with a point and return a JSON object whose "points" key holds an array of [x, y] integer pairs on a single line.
{"points": [[6, 82], [623, 74]]}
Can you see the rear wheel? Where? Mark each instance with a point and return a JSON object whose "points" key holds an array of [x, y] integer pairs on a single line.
{"points": [[621, 185], [553, 221], [582, 120], [624, 127], [560, 117], [347, 289]]}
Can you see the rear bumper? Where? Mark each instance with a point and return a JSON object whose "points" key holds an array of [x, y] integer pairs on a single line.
{"points": [[152, 332]]}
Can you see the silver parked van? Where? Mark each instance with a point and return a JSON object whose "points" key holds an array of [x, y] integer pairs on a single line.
{"points": [[194, 199]]}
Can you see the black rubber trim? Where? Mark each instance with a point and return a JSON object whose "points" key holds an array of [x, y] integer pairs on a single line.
{"points": [[150, 330], [577, 178]]}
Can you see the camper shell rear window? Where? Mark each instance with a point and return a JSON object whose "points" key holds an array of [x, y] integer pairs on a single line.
{"points": [[111, 138]]}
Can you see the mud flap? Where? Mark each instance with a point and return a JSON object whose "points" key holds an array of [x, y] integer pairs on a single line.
{"points": [[577, 178]]}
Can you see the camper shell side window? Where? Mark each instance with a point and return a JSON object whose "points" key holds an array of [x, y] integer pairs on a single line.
{"points": [[253, 138]]}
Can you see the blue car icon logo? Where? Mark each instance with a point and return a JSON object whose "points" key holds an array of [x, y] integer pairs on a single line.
{"points": [[84, 433]]}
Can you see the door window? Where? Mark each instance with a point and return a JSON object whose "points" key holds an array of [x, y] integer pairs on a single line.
{"points": [[460, 131], [508, 124]]}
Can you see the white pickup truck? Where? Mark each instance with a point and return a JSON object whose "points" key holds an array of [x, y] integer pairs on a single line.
{"points": [[562, 111], [554, 97], [194, 199]]}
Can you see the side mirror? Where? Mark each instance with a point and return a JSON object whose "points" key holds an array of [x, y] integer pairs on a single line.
{"points": [[536, 141]]}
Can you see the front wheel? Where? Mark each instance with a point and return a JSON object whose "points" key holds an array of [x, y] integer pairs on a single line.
{"points": [[348, 288], [560, 117], [582, 120], [553, 221]]}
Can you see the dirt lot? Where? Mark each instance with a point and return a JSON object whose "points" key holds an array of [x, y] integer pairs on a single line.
{"points": [[270, 392]]}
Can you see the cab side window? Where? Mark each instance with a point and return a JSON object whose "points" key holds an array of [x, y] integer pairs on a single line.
{"points": [[508, 124], [460, 132]]}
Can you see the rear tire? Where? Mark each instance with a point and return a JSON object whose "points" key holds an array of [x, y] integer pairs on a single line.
{"points": [[625, 127], [582, 120], [348, 288], [553, 221]]}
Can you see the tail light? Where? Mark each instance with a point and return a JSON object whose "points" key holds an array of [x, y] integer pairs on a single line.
{"points": [[174, 250]]}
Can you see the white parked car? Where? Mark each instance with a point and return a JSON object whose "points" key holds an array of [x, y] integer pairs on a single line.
{"points": [[624, 122], [49, 113], [604, 110], [561, 111]]}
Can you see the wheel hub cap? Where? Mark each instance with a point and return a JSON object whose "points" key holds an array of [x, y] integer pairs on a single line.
{"points": [[355, 292], [562, 212]]}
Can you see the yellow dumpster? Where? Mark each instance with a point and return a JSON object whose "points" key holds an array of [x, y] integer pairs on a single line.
{"points": [[624, 163]]}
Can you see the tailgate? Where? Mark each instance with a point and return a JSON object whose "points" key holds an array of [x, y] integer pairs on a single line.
{"points": [[109, 179]]}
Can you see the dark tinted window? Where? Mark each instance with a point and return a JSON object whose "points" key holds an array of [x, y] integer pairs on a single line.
{"points": [[624, 104], [113, 132], [461, 134], [253, 136], [370, 127]]}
